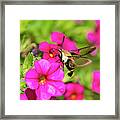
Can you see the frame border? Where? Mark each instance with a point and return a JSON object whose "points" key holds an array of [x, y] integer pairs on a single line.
{"points": [[2, 60]]}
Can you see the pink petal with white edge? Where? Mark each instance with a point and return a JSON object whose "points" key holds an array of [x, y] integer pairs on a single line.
{"points": [[44, 47], [56, 88], [44, 66], [42, 93], [57, 75], [32, 73], [53, 68]]}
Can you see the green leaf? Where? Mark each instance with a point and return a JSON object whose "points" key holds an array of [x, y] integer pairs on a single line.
{"points": [[21, 72], [23, 85], [60, 98], [88, 94], [96, 96], [21, 92], [28, 63]]}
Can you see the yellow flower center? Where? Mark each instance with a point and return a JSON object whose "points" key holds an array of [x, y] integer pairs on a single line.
{"points": [[42, 80], [51, 55], [73, 97]]}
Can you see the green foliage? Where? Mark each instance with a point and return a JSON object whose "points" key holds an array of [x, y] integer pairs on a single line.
{"points": [[28, 63], [60, 98]]}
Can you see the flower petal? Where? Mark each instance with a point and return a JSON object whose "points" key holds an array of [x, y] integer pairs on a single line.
{"points": [[56, 88], [96, 82], [42, 93], [79, 88], [70, 44], [80, 97], [53, 68], [57, 75], [38, 67], [44, 47], [91, 37], [46, 56], [54, 46], [44, 66], [30, 94], [98, 39], [51, 89], [23, 97], [52, 60], [31, 79], [32, 73], [69, 89], [57, 37], [32, 83], [97, 23]]}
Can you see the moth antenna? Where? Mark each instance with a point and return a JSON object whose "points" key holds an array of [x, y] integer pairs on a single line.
{"points": [[62, 41]]}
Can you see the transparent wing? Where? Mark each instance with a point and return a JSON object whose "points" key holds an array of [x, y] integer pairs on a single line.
{"points": [[81, 62], [83, 51]]}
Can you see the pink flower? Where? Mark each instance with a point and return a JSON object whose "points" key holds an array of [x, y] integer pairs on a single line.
{"points": [[74, 91], [23, 97], [64, 42], [50, 52], [46, 78], [94, 37], [29, 94], [96, 81]]}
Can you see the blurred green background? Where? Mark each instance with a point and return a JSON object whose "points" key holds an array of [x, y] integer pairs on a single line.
{"points": [[32, 32]]}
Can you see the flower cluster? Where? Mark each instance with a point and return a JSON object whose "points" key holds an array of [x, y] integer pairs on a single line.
{"points": [[44, 79], [94, 36]]}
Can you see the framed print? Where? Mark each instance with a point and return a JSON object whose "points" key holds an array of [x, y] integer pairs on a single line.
{"points": [[60, 59]]}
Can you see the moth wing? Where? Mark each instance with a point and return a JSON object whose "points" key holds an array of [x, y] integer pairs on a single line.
{"points": [[83, 51], [81, 62]]}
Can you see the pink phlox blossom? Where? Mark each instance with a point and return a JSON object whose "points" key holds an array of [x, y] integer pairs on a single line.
{"points": [[74, 91], [50, 52], [94, 37], [46, 79], [96, 81], [64, 42]]}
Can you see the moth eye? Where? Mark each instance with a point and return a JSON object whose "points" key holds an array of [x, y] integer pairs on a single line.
{"points": [[71, 65]]}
